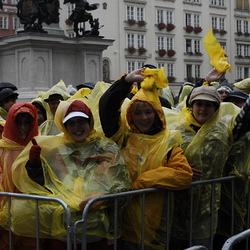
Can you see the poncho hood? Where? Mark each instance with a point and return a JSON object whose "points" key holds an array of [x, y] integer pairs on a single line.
{"points": [[11, 131], [62, 111]]}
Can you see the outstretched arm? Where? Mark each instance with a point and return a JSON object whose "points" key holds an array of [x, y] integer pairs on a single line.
{"points": [[111, 100]]}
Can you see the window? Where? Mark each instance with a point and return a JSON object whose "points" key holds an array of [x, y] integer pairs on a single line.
{"points": [[16, 23], [168, 66], [243, 50], [166, 43], [160, 65], [242, 26], [188, 45], [242, 72], [189, 70], [193, 70], [222, 23], [130, 40], [140, 14], [242, 4], [170, 69], [133, 65], [218, 23], [160, 42], [197, 21], [193, 45], [159, 15], [223, 45], [133, 38], [220, 3], [188, 20], [169, 15], [197, 46], [197, 71], [164, 16], [141, 41], [130, 12], [169, 43], [4, 22], [135, 13], [193, 20]]}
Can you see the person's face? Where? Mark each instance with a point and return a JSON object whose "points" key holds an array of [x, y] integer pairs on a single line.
{"points": [[223, 93], [9, 103], [143, 116], [78, 128], [203, 110], [40, 116], [53, 104], [23, 123]]}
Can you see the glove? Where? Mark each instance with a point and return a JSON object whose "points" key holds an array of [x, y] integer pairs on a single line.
{"points": [[35, 152]]}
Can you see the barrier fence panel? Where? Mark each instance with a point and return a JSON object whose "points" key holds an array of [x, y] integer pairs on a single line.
{"points": [[80, 226], [38, 198]]}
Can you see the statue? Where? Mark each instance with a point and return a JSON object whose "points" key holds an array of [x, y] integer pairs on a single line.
{"points": [[80, 15], [29, 11]]}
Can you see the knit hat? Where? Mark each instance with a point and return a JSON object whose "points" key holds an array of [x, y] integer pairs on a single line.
{"points": [[206, 93], [237, 94]]}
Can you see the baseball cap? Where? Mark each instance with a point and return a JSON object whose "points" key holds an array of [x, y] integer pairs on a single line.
{"points": [[77, 108]]}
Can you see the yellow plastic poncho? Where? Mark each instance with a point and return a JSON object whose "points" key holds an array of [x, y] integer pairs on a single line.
{"points": [[48, 127], [238, 163], [72, 171], [208, 149], [243, 85], [146, 157], [216, 53]]}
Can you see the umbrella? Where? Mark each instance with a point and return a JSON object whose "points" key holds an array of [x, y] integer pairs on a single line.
{"points": [[4, 85]]}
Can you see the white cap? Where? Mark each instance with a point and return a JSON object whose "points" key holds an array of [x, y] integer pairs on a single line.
{"points": [[75, 114]]}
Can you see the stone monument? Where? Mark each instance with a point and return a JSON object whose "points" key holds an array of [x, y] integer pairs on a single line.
{"points": [[34, 60]]}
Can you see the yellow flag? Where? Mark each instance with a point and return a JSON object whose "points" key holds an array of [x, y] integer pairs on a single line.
{"points": [[216, 53]]}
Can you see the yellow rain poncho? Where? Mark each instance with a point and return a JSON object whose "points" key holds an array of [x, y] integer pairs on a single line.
{"points": [[149, 165], [208, 149], [48, 127], [216, 53], [72, 171], [238, 163], [243, 85]]}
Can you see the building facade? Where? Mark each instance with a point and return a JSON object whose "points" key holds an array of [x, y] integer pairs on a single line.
{"points": [[169, 34]]}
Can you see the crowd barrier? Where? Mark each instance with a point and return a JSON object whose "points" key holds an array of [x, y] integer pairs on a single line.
{"points": [[72, 229]]}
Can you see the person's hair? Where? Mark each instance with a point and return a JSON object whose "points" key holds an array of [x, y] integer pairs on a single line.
{"points": [[7, 99], [157, 123]]}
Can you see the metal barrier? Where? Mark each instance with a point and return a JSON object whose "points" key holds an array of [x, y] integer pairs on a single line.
{"points": [[73, 229], [196, 248], [37, 198], [235, 239]]}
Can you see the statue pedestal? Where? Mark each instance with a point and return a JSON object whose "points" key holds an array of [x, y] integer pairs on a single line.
{"points": [[36, 61]]}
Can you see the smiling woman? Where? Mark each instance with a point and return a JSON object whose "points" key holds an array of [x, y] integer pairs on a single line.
{"points": [[75, 166], [151, 152]]}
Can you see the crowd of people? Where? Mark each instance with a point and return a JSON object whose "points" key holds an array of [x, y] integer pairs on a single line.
{"points": [[109, 138]]}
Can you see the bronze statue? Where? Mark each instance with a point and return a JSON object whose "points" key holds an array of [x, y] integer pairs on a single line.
{"points": [[29, 11], [80, 15]]}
